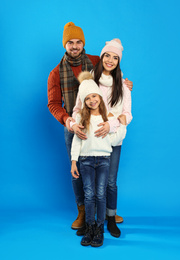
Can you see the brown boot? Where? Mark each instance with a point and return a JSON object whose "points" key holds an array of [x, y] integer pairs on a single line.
{"points": [[118, 219], [80, 221]]}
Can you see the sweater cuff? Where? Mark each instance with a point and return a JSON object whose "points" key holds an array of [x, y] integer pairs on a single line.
{"points": [[114, 123], [65, 118], [74, 157], [72, 123]]}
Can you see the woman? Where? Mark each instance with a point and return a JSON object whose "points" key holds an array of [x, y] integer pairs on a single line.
{"points": [[117, 98]]}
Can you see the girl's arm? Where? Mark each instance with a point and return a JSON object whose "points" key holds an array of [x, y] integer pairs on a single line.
{"points": [[74, 170], [75, 148], [75, 152]]}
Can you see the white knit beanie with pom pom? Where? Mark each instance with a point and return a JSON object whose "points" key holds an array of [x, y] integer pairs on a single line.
{"points": [[87, 86]]}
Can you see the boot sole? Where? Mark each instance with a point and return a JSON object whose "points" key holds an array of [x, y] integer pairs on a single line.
{"points": [[114, 235], [76, 228], [85, 244], [118, 222], [96, 245]]}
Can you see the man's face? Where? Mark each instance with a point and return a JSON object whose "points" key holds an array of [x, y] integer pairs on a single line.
{"points": [[74, 47]]}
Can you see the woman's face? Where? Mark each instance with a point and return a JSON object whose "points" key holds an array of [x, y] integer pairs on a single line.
{"points": [[110, 62]]}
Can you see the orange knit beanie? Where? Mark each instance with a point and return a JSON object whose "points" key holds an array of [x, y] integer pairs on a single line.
{"points": [[71, 31]]}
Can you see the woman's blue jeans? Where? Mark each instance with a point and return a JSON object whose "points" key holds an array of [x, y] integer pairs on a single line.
{"points": [[95, 171], [111, 205]]}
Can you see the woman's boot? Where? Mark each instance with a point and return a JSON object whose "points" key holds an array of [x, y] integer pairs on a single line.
{"points": [[112, 227]]}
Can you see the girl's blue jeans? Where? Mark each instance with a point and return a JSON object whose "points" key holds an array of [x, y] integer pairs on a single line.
{"points": [[111, 187], [95, 171]]}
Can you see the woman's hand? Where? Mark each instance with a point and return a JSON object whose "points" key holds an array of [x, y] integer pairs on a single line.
{"points": [[122, 119], [103, 131], [128, 83], [68, 120], [77, 130], [74, 170]]}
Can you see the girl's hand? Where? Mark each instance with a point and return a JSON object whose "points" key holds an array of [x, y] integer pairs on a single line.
{"points": [[128, 83], [103, 131], [74, 170], [122, 119], [77, 130]]}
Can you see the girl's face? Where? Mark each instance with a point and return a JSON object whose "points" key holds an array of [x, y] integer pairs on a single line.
{"points": [[93, 101], [110, 62]]}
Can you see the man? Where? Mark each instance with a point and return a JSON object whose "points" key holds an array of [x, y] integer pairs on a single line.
{"points": [[62, 91]]}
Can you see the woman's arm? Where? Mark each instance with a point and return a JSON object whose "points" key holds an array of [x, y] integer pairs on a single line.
{"points": [[74, 125], [126, 109]]}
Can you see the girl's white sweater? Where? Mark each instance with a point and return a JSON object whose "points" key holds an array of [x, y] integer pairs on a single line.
{"points": [[96, 146]]}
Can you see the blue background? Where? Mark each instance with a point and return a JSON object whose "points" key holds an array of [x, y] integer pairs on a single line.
{"points": [[34, 169]]}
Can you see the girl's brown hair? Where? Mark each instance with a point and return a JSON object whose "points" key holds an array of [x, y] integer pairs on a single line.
{"points": [[85, 114]]}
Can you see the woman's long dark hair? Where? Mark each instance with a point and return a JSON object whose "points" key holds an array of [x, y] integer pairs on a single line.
{"points": [[117, 90]]}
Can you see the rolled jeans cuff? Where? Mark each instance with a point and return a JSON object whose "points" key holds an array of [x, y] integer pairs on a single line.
{"points": [[110, 212]]}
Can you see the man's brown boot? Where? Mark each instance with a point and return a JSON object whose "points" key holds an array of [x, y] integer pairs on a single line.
{"points": [[80, 221], [118, 219]]}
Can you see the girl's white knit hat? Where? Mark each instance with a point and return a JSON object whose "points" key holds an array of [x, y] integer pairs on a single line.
{"points": [[87, 86], [113, 46]]}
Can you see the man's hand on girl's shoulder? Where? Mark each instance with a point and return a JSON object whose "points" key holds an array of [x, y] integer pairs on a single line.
{"points": [[129, 84]]}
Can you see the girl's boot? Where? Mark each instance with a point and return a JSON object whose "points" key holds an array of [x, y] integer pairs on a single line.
{"points": [[98, 236], [88, 235], [112, 227]]}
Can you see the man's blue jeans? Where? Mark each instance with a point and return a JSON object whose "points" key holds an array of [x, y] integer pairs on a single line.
{"points": [[76, 183], [95, 171], [112, 182]]}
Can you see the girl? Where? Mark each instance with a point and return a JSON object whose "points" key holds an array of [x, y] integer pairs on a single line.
{"points": [[117, 98], [94, 157]]}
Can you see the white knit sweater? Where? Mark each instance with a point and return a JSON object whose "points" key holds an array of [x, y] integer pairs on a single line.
{"points": [[96, 146]]}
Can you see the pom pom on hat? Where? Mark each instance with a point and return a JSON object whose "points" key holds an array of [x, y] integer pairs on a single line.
{"points": [[87, 86], [71, 31], [84, 75], [113, 46]]}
